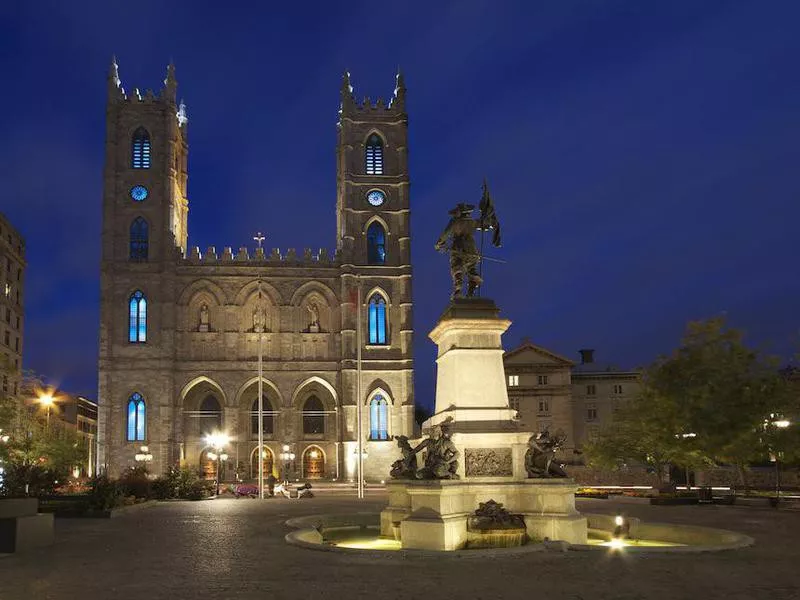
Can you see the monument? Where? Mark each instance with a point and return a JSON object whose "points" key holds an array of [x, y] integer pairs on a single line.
{"points": [[475, 450]]}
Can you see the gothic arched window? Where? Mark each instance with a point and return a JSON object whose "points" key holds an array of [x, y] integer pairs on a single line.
{"points": [[140, 149], [139, 239], [137, 418], [373, 155], [210, 415], [313, 416], [377, 320], [137, 318], [267, 417], [376, 244], [378, 418]]}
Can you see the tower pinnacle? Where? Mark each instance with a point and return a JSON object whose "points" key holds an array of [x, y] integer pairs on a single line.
{"points": [[348, 102], [170, 83], [399, 100], [114, 84]]}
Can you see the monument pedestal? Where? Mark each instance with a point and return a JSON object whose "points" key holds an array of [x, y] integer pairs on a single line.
{"points": [[472, 408]]}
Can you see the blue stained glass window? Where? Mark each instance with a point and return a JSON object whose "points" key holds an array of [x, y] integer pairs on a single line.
{"points": [[137, 318], [139, 239], [137, 418], [378, 418], [377, 320], [373, 155], [140, 149], [376, 244]]}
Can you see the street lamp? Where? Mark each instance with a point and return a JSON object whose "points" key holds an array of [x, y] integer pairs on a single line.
{"points": [[779, 423], [287, 457], [143, 456], [47, 401], [218, 441]]}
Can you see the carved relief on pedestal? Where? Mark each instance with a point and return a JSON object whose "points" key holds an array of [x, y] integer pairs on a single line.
{"points": [[488, 462]]}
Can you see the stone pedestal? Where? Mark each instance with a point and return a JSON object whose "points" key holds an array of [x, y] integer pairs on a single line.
{"points": [[433, 514], [22, 527]]}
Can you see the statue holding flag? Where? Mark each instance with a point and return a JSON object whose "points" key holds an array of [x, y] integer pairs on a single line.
{"points": [[464, 255]]}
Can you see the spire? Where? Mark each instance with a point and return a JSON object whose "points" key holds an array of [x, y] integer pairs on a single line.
{"points": [[114, 84], [170, 83], [347, 102], [399, 100]]}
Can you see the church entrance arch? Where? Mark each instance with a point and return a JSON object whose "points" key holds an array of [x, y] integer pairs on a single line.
{"points": [[269, 461], [313, 463], [208, 467]]}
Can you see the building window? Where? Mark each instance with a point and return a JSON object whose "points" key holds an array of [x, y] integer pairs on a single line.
{"points": [[513, 380], [313, 416], [136, 418], [377, 320], [139, 239], [8, 316], [16, 344], [591, 390], [7, 339], [140, 149], [210, 416], [378, 418], [376, 244], [544, 406], [267, 418], [373, 155], [513, 404], [591, 412], [542, 379], [618, 388], [137, 318]]}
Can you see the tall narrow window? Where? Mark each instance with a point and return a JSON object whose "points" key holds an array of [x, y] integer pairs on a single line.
{"points": [[140, 149], [139, 239], [378, 418], [210, 416], [373, 155], [137, 318], [377, 320], [376, 244], [313, 416], [267, 417], [137, 418]]}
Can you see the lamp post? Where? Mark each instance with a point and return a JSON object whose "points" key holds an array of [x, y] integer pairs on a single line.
{"points": [[779, 423], [217, 441], [143, 456], [47, 401], [287, 457]]}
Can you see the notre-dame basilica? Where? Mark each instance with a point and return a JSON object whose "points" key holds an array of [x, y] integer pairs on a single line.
{"points": [[182, 328]]}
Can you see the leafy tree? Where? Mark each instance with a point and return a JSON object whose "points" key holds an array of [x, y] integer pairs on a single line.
{"points": [[706, 402]]}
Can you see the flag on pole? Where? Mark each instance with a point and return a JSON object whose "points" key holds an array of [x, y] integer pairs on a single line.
{"points": [[488, 219]]}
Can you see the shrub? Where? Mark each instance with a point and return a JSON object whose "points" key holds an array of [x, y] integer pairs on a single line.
{"points": [[105, 493], [199, 489], [134, 482]]}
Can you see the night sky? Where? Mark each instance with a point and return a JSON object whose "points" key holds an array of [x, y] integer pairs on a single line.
{"points": [[643, 156]]}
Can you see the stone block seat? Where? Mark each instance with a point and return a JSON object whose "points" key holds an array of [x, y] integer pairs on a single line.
{"points": [[22, 527]]}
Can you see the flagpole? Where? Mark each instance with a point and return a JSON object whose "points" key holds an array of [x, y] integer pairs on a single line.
{"points": [[360, 447], [260, 238]]}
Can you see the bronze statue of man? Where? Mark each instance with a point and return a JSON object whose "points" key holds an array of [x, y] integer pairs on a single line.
{"points": [[464, 255]]}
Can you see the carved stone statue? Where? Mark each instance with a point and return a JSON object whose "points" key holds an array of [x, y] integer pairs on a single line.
{"points": [[203, 318], [493, 515], [259, 319], [540, 456], [406, 467], [464, 254], [441, 459], [313, 315]]}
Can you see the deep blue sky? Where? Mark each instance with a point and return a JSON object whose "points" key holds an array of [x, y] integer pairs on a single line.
{"points": [[643, 156]]}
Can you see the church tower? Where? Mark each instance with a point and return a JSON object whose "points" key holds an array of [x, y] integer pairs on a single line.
{"points": [[373, 222], [144, 230]]}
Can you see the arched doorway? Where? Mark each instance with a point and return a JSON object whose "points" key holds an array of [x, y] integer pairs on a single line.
{"points": [[268, 462], [313, 463], [208, 467]]}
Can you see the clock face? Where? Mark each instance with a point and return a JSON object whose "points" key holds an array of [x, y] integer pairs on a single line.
{"points": [[376, 197], [139, 193]]}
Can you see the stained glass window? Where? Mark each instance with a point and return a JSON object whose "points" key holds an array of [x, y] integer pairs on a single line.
{"points": [[140, 149], [137, 418], [377, 320], [139, 239], [373, 155], [378, 418], [376, 244], [137, 318]]}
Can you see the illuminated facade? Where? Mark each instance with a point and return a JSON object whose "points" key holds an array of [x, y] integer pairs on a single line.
{"points": [[181, 328], [12, 298]]}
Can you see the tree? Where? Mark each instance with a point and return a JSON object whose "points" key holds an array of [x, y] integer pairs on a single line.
{"points": [[706, 402]]}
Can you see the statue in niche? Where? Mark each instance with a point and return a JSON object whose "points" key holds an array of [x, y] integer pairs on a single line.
{"points": [[203, 318], [259, 319], [541, 453], [313, 316]]}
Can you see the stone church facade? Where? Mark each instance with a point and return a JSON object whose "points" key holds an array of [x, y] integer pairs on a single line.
{"points": [[181, 328]]}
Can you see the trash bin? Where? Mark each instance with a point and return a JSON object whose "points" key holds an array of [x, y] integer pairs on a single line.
{"points": [[706, 495]]}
